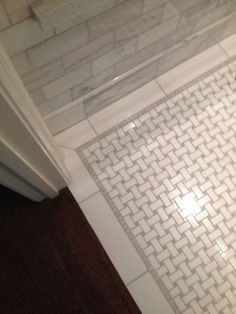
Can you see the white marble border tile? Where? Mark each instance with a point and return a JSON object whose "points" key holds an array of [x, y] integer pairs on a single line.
{"points": [[126, 107], [148, 296], [76, 135], [81, 183], [191, 69], [229, 45], [113, 238]]}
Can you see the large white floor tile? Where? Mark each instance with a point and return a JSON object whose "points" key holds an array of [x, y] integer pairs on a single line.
{"points": [[126, 107], [191, 69], [229, 45], [113, 238], [76, 135], [148, 296], [81, 184]]}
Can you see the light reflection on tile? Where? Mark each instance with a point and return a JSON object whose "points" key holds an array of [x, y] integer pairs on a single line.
{"points": [[169, 174]]}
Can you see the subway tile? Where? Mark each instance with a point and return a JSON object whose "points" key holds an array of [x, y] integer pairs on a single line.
{"points": [[55, 103], [180, 34], [112, 237], [22, 36], [43, 75], [130, 62], [157, 33], [148, 296], [67, 81], [58, 45], [120, 89], [191, 69], [114, 18], [145, 22], [21, 63], [65, 118], [76, 135], [17, 10], [113, 57], [194, 9], [149, 5], [92, 83], [190, 48], [230, 28], [37, 96], [4, 21], [89, 52], [88, 9], [120, 1], [229, 45], [212, 16], [124, 107]]}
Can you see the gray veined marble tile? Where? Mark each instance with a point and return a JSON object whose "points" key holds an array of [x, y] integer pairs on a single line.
{"points": [[189, 8], [190, 48], [157, 33], [58, 45], [113, 57], [55, 103], [136, 59], [120, 1], [21, 63], [65, 119], [114, 18], [43, 75], [88, 9], [180, 34], [21, 36], [145, 22], [4, 21], [151, 4], [92, 83], [66, 82], [120, 89], [89, 52], [230, 27], [37, 96], [213, 16]]}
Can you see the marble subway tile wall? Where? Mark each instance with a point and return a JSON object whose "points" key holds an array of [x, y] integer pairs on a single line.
{"points": [[106, 39]]}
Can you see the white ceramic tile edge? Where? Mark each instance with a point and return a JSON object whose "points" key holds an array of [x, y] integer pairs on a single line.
{"points": [[113, 114], [122, 236], [149, 297], [204, 62], [76, 135], [229, 45], [81, 185]]}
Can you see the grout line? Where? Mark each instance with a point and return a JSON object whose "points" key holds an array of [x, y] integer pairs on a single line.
{"points": [[138, 277], [159, 85], [223, 50], [87, 197], [90, 123], [73, 149]]}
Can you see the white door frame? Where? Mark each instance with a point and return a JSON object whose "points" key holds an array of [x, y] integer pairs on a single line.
{"points": [[30, 162]]}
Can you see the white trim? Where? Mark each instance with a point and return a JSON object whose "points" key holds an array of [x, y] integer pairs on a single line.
{"points": [[26, 146]]}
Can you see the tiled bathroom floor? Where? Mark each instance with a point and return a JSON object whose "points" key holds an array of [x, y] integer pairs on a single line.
{"points": [[159, 186]]}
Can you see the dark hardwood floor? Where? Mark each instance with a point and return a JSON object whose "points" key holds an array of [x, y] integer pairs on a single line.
{"points": [[52, 262]]}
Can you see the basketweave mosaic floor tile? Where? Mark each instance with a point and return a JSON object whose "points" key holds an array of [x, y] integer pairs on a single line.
{"points": [[169, 175]]}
